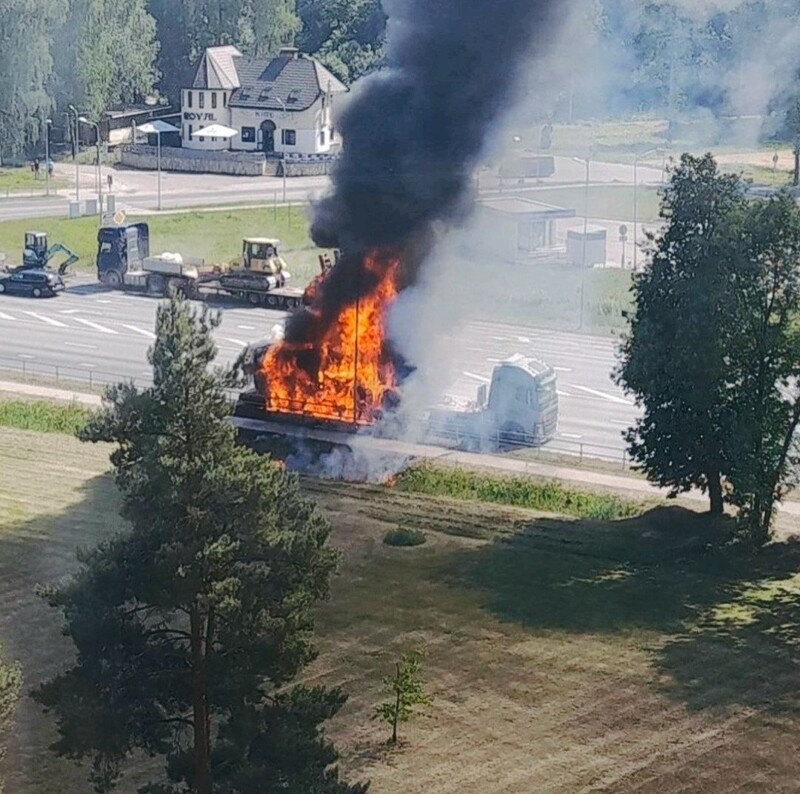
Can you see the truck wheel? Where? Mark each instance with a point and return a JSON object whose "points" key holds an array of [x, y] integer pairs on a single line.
{"points": [[113, 279], [156, 285], [253, 298], [37, 293], [2, 287]]}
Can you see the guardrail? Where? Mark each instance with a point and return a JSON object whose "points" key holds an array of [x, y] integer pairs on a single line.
{"points": [[32, 191], [552, 450]]}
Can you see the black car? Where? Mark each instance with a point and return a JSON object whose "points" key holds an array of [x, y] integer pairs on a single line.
{"points": [[35, 282]]}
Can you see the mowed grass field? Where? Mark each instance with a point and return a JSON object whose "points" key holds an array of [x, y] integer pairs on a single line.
{"points": [[562, 655]]}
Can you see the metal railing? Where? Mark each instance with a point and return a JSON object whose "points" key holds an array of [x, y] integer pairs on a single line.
{"points": [[29, 191], [521, 448]]}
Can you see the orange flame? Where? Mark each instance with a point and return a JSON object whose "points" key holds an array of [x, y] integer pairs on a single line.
{"points": [[344, 374]]}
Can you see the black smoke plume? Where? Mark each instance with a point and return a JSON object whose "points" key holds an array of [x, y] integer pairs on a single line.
{"points": [[414, 132]]}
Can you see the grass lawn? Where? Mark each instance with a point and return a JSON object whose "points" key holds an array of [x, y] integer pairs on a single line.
{"points": [[606, 202], [562, 655], [552, 296], [21, 180], [215, 236]]}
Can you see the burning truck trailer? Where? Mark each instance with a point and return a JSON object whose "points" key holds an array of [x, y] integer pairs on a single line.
{"points": [[518, 408], [346, 377]]}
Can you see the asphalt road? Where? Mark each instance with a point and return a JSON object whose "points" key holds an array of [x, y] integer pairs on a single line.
{"points": [[136, 191], [92, 334]]}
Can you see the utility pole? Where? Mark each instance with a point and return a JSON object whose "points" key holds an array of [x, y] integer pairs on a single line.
{"points": [[74, 111], [47, 124], [99, 174]]}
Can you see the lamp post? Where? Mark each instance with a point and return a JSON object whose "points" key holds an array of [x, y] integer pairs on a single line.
{"points": [[99, 174], [636, 203], [157, 127], [587, 162], [283, 164], [48, 123], [73, 110]]}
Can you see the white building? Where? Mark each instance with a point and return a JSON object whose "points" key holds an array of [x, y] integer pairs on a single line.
{"points": [[281, 104]]}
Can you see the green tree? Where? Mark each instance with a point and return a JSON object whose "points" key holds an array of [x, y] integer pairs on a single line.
{"points": [[274, 24], [192, 621], [674, 358], [764, 353], [346, 35], [10, 686], [407, 690], [106, 54], [26, 67]]}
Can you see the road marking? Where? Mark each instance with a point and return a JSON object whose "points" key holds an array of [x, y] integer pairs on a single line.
{"points": [[238, 342], [616, 422], [142, 331], [610, 397], [247, 328], [100, 300], [70, 311], [25, 355], [4, 316], [477, 377], [48, 320], [96, 326], [494, 360], [576, 436], [524, 340], [87, 366], [563, 394], [562, 369], [78, 344]]}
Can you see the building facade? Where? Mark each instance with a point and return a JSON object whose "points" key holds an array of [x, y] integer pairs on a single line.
{"points": [[278, 106]]}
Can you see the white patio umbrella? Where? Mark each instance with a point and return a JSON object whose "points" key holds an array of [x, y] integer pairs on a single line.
{"points": [[157, 128], [215, 131]]}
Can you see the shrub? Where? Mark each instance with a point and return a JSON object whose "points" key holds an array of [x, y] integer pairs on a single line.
{"points": [[43, 417], [550, 497], [404, 537]]}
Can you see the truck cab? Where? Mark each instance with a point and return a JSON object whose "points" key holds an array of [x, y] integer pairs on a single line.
{"points": [[518, 408], [120, 248]]}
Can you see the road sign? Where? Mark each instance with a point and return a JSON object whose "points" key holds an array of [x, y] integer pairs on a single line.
{"points": [[119, 217]]}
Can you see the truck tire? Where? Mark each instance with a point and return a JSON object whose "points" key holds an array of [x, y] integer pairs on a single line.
{"points": [[253, 298], [37, 293], [2, 287], [111, 278], [156, 285], [174, 285]]}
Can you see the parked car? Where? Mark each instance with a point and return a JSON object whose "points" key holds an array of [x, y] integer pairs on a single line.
{"points": [[34, 282]]}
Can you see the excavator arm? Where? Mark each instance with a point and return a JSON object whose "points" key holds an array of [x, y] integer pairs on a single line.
{"points": [[71, 259]]}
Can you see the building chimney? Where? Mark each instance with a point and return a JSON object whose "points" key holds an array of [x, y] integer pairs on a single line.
{"points": [[289, 52]]}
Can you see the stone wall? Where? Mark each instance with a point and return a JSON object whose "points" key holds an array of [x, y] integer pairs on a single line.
{"points": [[201, 161], [198, 161]]}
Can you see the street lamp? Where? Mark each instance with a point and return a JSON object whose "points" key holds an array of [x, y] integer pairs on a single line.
{"points": [[48, 123], [73, 109], [587, 162], [156, 128], [636, 202], [283, 164], [99, 174]]}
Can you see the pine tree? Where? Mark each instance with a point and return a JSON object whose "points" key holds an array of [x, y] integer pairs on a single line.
{"points": [[191, 623]]}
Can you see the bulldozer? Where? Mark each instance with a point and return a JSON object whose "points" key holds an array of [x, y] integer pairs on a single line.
{"points": [[37, 254], [260, 270]]}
